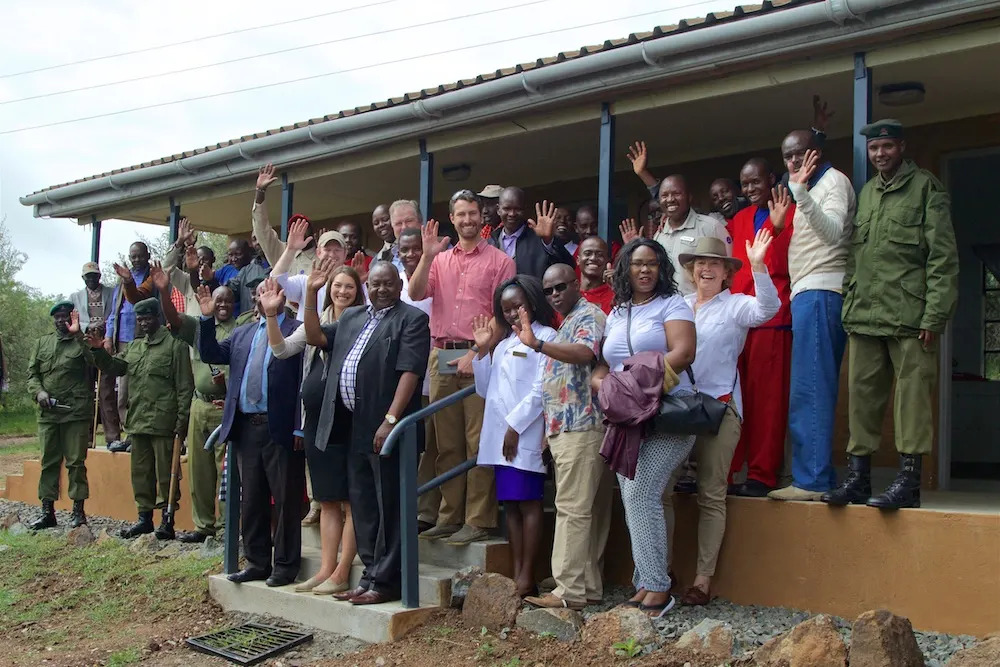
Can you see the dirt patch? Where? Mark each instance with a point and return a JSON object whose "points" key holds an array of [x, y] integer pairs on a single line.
{"points": [[14, 451]]}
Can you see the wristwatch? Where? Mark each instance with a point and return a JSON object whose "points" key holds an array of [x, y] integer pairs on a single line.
{"points": [[538, 346], [391, 420]]}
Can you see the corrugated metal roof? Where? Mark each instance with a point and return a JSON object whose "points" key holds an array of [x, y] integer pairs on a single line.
{"points": [[658, 32]]}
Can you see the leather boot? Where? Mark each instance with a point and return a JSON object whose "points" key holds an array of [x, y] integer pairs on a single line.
{"points": [[166, 529], [141, 527], [857, 487], [905, 489], [48, 519], [79, 518]]}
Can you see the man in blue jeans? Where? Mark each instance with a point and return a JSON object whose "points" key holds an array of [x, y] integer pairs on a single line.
{"points": [[817, 261]]}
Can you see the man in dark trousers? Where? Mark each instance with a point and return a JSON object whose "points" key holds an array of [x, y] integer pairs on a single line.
{"points": [[378, 356], [530, 244], [260, 413]]}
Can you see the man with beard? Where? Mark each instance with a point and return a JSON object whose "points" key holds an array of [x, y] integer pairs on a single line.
{"points": [[530, 244]]}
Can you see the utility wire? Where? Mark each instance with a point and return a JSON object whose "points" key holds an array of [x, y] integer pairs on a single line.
{"points": [[343, 71], [196, 39], [273, 53]]}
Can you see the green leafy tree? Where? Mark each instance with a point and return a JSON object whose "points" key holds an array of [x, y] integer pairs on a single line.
{"points": [[160, 244]]}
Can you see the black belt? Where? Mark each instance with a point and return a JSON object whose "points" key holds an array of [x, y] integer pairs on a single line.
{"points": [[454, 344], [255, 418]]}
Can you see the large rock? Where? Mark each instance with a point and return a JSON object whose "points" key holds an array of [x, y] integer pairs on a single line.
{"points": [[563, 624], [18, 528], [9, 520], [618, 625], [812, 643], [460, 583], [492, 602], [145, 544], [983, 654], [879, 638], [105, 536], [710, 637], [80, 536], [212, 547]]}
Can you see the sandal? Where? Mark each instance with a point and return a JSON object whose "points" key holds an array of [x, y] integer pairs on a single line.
{"points": [[658, 611], [695, 596]]}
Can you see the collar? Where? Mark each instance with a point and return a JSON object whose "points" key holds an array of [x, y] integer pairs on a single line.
{"points": [[820, 173], [901, 176], [378, 314], [515, 235], [479, 247], [688, 223], [157, 337], [577, 306], [722, 296]]}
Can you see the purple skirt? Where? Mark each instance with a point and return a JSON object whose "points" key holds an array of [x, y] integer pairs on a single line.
{"points": [[515, 484]]}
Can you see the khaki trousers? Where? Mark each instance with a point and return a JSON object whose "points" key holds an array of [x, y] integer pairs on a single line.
{"points": [[873, 363], [584, 488], [469, 499], [205, 467], [429, 503], [714, 454]]}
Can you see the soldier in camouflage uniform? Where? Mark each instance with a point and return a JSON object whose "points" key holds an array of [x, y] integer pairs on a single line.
{"points": [[160, 386], [60, 383]]}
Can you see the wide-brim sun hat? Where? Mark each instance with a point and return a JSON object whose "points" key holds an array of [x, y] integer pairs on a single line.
{"points": [[709, 247]]}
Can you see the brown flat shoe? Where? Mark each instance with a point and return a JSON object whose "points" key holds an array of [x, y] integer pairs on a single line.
{"points": [[694, 596], [348, 595], [372, 597]]}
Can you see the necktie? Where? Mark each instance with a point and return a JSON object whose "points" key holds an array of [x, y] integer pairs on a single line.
{"points": [[256, 369]]}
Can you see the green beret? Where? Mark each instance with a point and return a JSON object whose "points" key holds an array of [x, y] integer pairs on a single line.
{"points": [[148, 306], [888, 128], [68, 305], [252, 284]]}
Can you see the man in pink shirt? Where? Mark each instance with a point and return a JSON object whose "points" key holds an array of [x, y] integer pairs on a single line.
{"points": [[461, 281]]}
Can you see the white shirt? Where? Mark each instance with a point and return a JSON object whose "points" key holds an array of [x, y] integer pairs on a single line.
{"points": [[647, 331], [425, 306], [295, 291], [722, 324], [683, 239], [505, 380]]}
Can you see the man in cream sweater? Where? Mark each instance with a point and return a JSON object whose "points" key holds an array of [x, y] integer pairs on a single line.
{"points": [[817, 260]]}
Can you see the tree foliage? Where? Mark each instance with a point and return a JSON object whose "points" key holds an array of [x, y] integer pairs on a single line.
{"points": [[160, 244]]}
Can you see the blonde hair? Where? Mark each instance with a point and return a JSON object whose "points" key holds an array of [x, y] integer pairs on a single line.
{"points": [[727, 282]]}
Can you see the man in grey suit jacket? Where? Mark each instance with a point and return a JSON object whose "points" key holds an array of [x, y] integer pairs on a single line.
{"points": [[93, 303], [377, 359]]}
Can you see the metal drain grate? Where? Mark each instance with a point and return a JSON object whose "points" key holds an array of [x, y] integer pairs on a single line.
{"points": [[248, 644]]}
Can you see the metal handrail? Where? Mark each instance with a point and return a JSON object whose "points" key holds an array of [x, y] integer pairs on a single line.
{"points": [[397, 433]]}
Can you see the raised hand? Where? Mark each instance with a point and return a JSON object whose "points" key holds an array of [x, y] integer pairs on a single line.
{"points": [[206, 274], [186, 235], [205, 301], [544, 224], [433, 244], [629, 230], [320, 274], [265, 176], [482, 333], [523, 329], [609, 273], [758, 250], [809, 164], [821, 114], [271, 297], [638, 156], [191, 258], [74, 323], [297, 239], [778, 207], [160, 278], [358, 264], [122, 272]]}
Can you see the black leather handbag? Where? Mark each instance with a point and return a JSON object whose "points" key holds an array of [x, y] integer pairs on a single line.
{"points": [[685, 414]]}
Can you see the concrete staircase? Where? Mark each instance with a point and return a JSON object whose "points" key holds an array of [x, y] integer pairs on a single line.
{"points": [[375, 623]]}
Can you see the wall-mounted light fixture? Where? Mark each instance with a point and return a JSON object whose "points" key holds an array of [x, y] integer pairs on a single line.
{"points": [[901, 94], [456, 173]]}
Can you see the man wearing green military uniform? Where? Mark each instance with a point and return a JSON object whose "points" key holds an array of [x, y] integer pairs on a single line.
{"points": [[900, 290], [204, 467], [58, 379], [160, 386]]}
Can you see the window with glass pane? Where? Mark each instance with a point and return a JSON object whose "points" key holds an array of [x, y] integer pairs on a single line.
{"points": [[991, 333]]}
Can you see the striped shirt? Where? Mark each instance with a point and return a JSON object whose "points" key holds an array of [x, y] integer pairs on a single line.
{"points": [[349, 372]]}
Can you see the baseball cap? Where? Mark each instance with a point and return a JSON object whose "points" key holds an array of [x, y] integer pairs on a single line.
{"points": [[332, 235], [91, 267], [491, 191]]}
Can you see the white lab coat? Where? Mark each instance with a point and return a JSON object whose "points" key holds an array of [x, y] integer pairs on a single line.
{"points": [[504, 380]]}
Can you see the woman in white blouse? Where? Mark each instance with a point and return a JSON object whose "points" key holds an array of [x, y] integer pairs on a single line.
{"points": [[504, 378], [722, 320]]}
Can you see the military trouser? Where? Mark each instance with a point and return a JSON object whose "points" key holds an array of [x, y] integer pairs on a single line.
{"points": [[205, 467], [873, 363], [67, 441], [151, 458]]}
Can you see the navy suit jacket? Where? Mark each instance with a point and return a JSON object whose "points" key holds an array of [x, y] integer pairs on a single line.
{"points": [[283, 377], [531, 257]]}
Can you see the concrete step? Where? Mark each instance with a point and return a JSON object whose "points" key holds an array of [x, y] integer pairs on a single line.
{"points": [[435, 582], [371, 623]]}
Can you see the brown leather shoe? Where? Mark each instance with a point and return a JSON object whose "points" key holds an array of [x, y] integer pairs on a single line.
{"points": [[694, 596], [348, 595], [372, 597]]}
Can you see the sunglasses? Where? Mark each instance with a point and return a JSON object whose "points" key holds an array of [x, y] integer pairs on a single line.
{"points": [[557, 288]]}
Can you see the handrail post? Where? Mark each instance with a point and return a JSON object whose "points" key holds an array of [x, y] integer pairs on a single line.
{"points": [[408, 518], [231, 546]]}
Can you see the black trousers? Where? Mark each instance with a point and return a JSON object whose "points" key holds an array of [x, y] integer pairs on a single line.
{"points": [[269, 470]]}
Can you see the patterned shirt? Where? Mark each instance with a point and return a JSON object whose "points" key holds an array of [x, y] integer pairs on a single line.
{"points": [[95, 305], [349, 372], [567, 399]]}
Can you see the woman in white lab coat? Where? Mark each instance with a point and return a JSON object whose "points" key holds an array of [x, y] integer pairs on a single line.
{"points": [[504, 378]]}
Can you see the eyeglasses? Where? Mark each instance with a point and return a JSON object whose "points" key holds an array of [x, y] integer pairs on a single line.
{"points": [[640, 265], [558, 287]]}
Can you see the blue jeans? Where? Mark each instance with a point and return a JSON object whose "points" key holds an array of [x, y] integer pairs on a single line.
{"points": [[818, 341]]}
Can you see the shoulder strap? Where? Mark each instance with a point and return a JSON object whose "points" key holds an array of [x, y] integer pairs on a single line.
{"points": [[628, 331]]}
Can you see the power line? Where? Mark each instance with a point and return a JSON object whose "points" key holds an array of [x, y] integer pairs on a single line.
{"points": [[272, 53], [196, 39], [343, 71]]}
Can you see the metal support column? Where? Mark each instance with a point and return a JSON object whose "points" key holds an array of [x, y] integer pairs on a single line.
{"points": [[175, 218], [95, 239], [862, 116], [231, 537], [287, 192], [606, 172], [408, 517], [426, 180]]}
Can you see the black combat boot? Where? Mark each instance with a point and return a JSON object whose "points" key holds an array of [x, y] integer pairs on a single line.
{"points": [[141, 527], [48, 519], [905, 489], [79, 518], [166, 529], [857, 488]]}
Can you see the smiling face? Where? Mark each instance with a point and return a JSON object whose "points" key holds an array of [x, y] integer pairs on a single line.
{"points": [[593, 258], [512, 209], [411, 249], [384, 285], [511, 299], [352, 235], [333, 251], [723, 196], [490, 215], [138, 257], [467, 219], [92, 280], [675, 202], [404, 216], [382, 224], [223, 300], [756, 181], [561, 288], [239, 253], [206, 258], [886, 155], [644, 270], [343, 291], [709, 275], [147, 323], [563, 221]]}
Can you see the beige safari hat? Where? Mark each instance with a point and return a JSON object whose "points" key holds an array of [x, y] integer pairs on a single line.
{"points": [[711, 247]]}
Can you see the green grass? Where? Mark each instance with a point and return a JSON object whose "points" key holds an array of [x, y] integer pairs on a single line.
{"points": [[22, 421], [30, 447], [126, 657]]}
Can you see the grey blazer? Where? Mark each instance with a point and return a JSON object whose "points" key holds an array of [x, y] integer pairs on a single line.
{"points": [[79, 300]]}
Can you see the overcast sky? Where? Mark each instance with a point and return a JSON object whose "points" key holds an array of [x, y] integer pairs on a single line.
{"points": [[68, 31]]}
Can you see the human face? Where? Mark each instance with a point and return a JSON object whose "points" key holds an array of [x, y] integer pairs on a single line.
{"points": [[384, 287], [756, 184], [92, 280], [886, 155], [402, 217], [709, 276], [239, 255], [382, 224], [563, 221], [675, 203], [586, 224], [61, 320], [147, 324], [511, 210], [206, 257], [223, 300], [490, 215], [512, 299], [467, 219], [593, 258], [343, 291], [332, 250], [352, 235], [411, 249], [723, 198], [793, 150], [644, 270], [561, 289], [138, 257]]}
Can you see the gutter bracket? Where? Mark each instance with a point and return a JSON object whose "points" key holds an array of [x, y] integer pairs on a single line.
{"points": [[528, 86], [421, 112], [246, 155], [646, 58], [313, 138], [111, 184], [181, 168], [840, 12]]}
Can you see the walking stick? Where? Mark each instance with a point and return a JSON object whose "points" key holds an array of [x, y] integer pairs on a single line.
{"points": [[175, 463], [97, 408]]}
